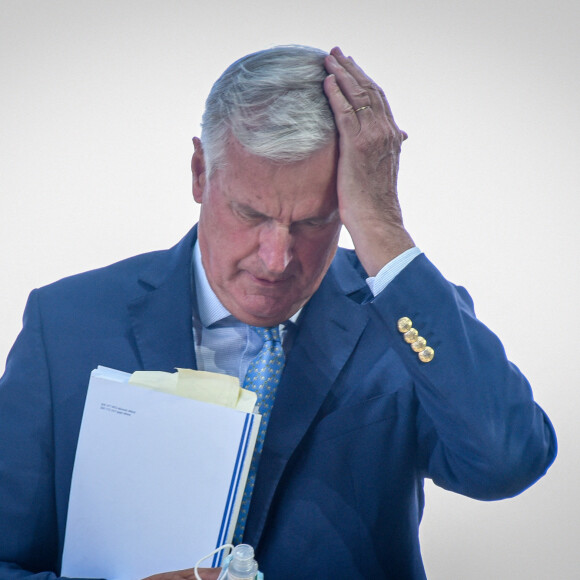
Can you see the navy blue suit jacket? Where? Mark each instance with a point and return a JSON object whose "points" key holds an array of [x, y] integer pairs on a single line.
{"points": [[358, 422]]}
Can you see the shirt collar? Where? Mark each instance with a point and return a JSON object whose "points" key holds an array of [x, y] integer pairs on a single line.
{"points": [[210, 309]]}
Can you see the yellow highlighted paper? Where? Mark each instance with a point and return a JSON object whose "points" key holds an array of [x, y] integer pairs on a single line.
{"points": [[198, 385]]}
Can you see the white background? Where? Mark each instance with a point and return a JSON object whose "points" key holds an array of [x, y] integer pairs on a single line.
{"points": [[99, 101]]}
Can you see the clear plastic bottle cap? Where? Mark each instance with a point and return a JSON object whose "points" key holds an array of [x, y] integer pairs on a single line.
{"points": [[243, 566]]}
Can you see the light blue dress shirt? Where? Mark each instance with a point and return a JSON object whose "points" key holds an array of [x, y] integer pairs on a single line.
{"points": [[225, 345]]}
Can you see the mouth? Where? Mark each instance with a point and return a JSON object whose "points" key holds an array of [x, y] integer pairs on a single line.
{"points": [[269, 282]]}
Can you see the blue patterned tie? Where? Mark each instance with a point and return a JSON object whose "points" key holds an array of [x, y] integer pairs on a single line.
{"points": [[262, 377]]}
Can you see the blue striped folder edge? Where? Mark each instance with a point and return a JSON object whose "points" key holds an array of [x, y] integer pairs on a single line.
{"points": [[234, 485]]}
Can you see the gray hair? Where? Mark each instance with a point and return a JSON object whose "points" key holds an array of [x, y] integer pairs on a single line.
{"points": [[273, 103]]}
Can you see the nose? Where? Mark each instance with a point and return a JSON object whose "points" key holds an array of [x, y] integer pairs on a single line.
{"points": [[275, 247]]}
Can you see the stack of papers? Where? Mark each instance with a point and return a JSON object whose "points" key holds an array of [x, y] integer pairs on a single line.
{"points": [[158, 476]]}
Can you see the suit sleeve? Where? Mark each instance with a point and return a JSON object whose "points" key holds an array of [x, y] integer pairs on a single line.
{"points": [[479, 431], [29, 530]]}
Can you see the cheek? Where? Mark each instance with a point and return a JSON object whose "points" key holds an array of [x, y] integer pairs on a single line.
{"points": [[236, 247], [225, 234], [317, 252]]}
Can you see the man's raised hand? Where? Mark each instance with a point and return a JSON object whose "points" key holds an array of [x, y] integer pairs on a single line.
{"points": [[369, 148]]}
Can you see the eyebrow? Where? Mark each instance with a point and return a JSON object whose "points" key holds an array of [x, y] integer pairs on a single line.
{"points": [[247, 209]]}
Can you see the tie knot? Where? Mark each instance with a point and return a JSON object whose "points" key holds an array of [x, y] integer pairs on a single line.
{"points": [[268, 334]]}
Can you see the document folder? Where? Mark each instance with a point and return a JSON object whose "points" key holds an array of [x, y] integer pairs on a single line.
{"points": [[157, 481]]}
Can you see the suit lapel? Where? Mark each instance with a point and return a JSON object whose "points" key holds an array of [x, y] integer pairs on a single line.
{"points": [[330, 328], [161, 316]]}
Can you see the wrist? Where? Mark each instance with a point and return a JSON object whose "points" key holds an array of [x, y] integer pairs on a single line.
{"points": [[377, 246]]}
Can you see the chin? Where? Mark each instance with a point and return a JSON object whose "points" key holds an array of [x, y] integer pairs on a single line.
{"points": [[262, 319], [263, 316]]}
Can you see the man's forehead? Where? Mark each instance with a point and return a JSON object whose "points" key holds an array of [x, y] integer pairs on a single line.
{"points": [[303, 190], [236, 153]]}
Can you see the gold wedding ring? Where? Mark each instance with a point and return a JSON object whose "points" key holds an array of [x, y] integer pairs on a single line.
{"points": [[362, 108]]}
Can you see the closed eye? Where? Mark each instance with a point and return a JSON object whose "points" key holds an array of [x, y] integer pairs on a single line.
{"points": [[311, 224], [316, 223], [247, 214]]}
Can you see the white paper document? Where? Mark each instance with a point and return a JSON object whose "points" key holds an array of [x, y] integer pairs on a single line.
{"points": [[157, 480]]}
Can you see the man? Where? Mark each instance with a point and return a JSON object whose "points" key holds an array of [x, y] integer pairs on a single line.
{"points": [[389, 377]]}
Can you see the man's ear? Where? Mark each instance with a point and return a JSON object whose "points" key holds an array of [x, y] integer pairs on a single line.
{"points": [[198, 170]]}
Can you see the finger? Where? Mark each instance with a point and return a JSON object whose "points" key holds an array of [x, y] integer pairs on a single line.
{"points": [[346, 119], [357, 73], [353, 82], [209, 573], [359, 76], [357, 95], [349, 120]]}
